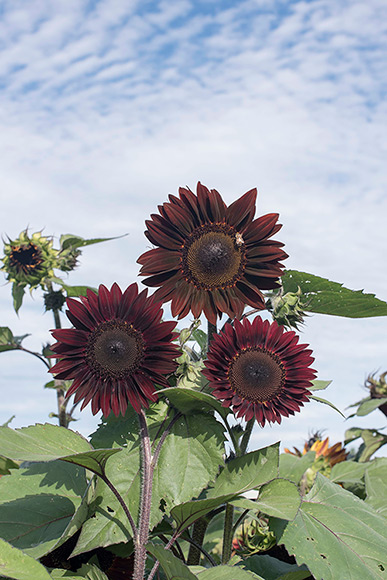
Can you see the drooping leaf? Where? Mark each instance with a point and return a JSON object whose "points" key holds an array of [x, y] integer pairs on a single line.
{"points": [[336, 535], [187, 513], [373, 440], [87, 572], [293, 468], [174, 568], [41, 442], [325, 402], [190, 402], [38, 502], [201, 338], [279, 498], [326, 297], [94, 460], [272, 569], [369, 405], [247, 472], [16, 564], [17, 295]]}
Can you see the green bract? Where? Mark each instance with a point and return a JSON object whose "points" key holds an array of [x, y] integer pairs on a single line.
{"points": [[29, 260]]}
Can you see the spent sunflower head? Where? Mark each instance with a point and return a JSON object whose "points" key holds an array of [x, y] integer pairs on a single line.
{"points": [[211, 258], [29, 260], [118, 350], [259, 370]]}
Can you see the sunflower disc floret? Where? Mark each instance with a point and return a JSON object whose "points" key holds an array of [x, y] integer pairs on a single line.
{"points": [[259, 370], [118, 350], [209, 257]]}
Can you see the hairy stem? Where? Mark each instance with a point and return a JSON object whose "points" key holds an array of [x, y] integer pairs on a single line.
{"points": [[211, 330], [246, 436], [198, 533], [60, 393], [39, 356], [147, 469]]}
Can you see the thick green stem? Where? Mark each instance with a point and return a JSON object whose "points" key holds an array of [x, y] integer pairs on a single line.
{"points": [[146, 498], [227, 533], [198, 532]]}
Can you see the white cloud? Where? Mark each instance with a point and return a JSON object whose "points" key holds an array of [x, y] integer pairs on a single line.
{"points": [[102, 114]]}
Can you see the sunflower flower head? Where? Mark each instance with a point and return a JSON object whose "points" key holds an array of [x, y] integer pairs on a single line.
{"points": [[259, 370], [210, 257], [29, 260], [118, 350]]}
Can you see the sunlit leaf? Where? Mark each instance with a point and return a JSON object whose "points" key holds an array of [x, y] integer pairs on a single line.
{"points": [[16, 564]]}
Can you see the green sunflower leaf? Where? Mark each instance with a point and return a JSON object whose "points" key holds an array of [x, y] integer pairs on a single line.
{"points": [[369, 405], [68, 241], [7, 464], [272, 569], [38, 502], [325, 402], [348, 472], [174, 568], [189, 460], [326, 297], [41, 442], [376, 484], [318, 385], [17, 295], [87, 572], [336, 535], [189, 402], [16, 564], [187, 513], [247, 472], [227, 573], [75, 291], [279, 498], [293, 468]]}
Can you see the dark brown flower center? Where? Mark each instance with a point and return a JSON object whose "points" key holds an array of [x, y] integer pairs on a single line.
{"points": [[26, 258], [115, 349], [211, 257], [256, 374]]}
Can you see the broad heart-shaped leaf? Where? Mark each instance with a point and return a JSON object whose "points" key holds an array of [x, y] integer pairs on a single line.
{"points": [[189, 460], [16, 564], [41, 442], [376, 484], [348, 472], [174, 568], [187, 513], [272, 569], [189, 402], [37, 504], [94, 460], [336, 535], [292, 467], [247, 472], [326, 297], [279, 498], [227, 573]]}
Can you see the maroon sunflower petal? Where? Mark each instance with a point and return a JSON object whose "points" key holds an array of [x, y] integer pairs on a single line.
{"points": [[259, 370]]}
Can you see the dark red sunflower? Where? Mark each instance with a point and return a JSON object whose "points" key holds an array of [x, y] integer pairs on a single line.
{"points": [[259, 370], [117, 351], [211, 258]]}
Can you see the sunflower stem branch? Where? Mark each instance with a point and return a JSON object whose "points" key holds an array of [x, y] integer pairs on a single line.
{"points": [[146, 499], [211, 330], [39, 356], [119, 497]]}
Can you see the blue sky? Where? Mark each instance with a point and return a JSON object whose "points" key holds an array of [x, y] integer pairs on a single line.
{"points": [[108, 106]]}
